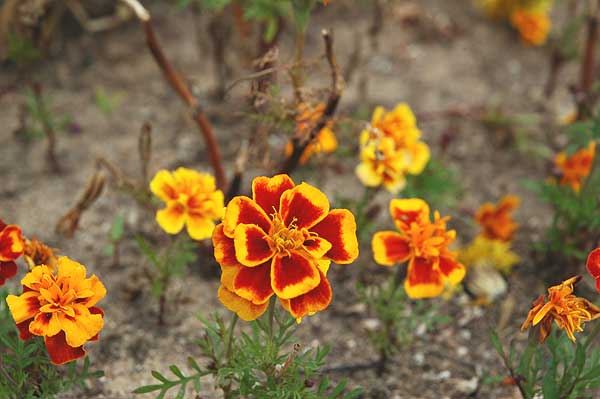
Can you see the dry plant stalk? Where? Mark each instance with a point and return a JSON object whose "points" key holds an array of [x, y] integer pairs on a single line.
{"points": [[337, 86], [181, 87], [48, 130], [67, 225], [145, 151], [584, 93]]}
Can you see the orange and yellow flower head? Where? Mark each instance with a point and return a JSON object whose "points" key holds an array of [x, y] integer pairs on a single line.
{"points": [[38, 253], [281, 242], [575, 168], [192, 200], [61, 307], [593, 266], [568, 311], [325, 141], [391, 148], [12, 246], [496, 220], [533, 25], [424, 244]]}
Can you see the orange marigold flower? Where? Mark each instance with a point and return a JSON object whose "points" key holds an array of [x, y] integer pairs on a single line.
{"points": [[424, 244], [192, 200], [568, 311], [38, 253], [381, 165], [12, 246], [577, 167], [324, 142], [533, 25], [496, 220], [593, 266], [281, 242], [59, 307]]}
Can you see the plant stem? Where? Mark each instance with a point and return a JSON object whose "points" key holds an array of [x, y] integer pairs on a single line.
{"points": [[593, 335], [234, 320]]}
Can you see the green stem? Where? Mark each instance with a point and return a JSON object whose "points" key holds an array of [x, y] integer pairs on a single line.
{"points": [[271, 330], [593, 335], [234, 320]]}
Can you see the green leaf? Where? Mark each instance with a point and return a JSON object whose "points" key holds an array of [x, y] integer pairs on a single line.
{"points": [[549, 387], [116, 231], [148, 388]]}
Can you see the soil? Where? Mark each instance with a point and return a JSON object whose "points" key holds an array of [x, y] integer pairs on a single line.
{"points": [[448, 56]]}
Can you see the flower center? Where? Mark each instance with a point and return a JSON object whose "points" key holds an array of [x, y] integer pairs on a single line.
{"points": [[282, 239], [55, 299]]}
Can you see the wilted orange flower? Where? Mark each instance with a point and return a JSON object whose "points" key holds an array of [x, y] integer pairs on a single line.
{"points": [[568, 311], [593, 266], [12, 246], [496, 220], [281, 241], [59, 307], [324, 142], [424, 244], [192, 200], [533, 25], [38, 253], [577, 167]]}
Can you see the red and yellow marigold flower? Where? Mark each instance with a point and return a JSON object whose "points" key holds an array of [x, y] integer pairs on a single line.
{"points": [[593, 266], [281, 242], [533, 25], [38, 253], [575, 168], [324, 142], [568, 311], [192, 200], [61, 307], [12, 246], [424, 244], [496, 220]]}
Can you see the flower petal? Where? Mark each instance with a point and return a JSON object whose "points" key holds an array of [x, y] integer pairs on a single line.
{"points": [[228, 274], [24, 306], [45, 324], [593, 263], [172, 218], [60, 352], [245, 309], [251, 248], [368, 175], [244, 210], [11, 243], [339, 228], [254, 283], [82, 327], [317, 247], [304, 205], [293, 275], [313, 301], [7, 270], [390, 247], [453, 271], [97, 288], [409, 210], [163, 186], [224, 249], [199, 227], [71, 270], [423, 280], [267, 191]]}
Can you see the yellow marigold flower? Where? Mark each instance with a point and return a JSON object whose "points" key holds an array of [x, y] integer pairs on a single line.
{"points": [[496, 220], [281, 242], [533, 25], [192, 200], [489, 252], [325, 141], [577, 167], [12, 246], [60, 307], [400, 124], [424, 244], [381, 164], [568, 311], [38, 253]]}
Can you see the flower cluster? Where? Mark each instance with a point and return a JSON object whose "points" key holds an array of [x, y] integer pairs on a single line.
{"points": [[324, 142], [568, 311], [192, 200], [281, 242], [424, 244], [573, 169], [61, 307], [391, 148], [12, 246]]}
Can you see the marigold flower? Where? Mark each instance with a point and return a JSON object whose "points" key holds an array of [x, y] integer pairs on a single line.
{"points": [[496, 220], [382, 165], [593, 266], [489, 252], [424, 244], [281, 242], [12, 246], [575, 168], [38, 253], [533, 25], [59, 307], [568, 311], [192, 200], [324, 142]]}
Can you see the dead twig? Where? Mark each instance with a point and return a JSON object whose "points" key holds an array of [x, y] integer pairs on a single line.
{"points": [[588, 66], [337, 85], [181, 87]]}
